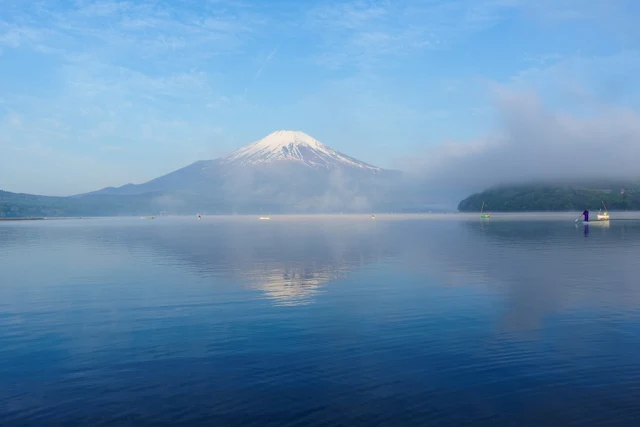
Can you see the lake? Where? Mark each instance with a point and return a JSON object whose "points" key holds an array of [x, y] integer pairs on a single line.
{"points": [[433, 320]]}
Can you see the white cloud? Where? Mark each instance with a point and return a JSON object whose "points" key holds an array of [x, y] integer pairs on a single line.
{"points": [[575, 118], [534, 143]]}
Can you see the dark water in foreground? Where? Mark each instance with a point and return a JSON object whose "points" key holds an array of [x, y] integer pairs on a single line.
{"points": [[434, 321]]}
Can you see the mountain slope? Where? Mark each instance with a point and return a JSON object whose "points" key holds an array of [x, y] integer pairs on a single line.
{"points": [[288, 171]]}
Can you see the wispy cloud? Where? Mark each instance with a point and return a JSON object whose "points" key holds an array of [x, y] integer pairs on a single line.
{"points": [[541, 59], [122, 73], [121, 30], [263, 64], [584, 81], [366, 33], [112, 148], [268, 59], [578, 10]]}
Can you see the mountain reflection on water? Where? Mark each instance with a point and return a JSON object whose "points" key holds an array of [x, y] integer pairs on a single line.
{"points": [[289, 259], [291, 285]]}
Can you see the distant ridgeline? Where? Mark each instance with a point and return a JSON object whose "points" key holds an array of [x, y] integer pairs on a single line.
{"points": [[554, 198], [18, 205]]}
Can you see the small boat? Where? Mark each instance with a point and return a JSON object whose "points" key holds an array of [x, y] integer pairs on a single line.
{"points": [[373, 217], [265, 217], [199, 217], [605, 215], [482, 214], [148, 217]]}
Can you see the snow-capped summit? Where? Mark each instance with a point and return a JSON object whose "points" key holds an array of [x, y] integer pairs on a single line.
{"points": [[293, 146]]}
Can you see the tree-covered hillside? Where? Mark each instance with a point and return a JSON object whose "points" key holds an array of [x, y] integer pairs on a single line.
{"points": [[14, 205], [540, 198]]}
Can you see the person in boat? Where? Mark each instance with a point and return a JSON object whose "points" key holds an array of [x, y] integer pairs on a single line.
{"points": [[585, 214]]}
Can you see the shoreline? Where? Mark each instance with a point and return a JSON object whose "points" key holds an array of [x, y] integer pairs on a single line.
{"points": [[22, 219], [42, 219]]}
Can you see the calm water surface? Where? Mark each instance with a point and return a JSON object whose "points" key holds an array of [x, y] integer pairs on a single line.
{"points": [[310, 321]]}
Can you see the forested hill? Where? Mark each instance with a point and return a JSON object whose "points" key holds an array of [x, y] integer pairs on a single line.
{"points": [[548, 198], [17, 205]]}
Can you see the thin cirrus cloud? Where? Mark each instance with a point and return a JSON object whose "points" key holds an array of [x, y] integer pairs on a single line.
{"points": [[366, 33]]}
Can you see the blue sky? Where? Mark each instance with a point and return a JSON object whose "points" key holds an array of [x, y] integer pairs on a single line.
{"points": [[98, 93]]}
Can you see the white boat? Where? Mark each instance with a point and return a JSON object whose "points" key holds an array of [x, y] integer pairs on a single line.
{"points": [[603, 216], [265, 217]]}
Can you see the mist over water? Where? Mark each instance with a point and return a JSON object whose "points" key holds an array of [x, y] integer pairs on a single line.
{"points": [[320, 320]]}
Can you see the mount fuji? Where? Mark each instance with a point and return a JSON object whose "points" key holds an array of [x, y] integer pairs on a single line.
{"points": [[293, 146], [286, 171]]}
